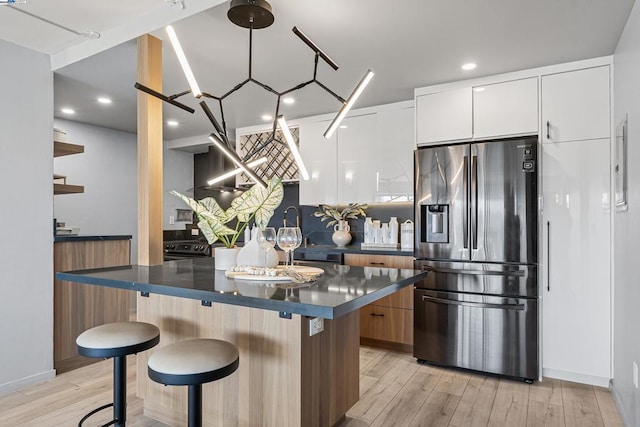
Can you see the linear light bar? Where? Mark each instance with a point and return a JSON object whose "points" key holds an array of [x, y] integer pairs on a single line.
{"points": [[193, 84], [235, 159], [347, 105], [236, 171], [293, 147]]}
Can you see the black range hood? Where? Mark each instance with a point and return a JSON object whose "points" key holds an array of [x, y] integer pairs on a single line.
{"points": [[207, 166]]}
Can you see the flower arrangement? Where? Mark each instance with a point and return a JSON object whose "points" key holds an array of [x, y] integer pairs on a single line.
{"points": [[257, 204], [351, 211]]}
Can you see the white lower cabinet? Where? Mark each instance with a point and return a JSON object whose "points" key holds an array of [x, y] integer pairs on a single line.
{"points": [[320, 157], [576, 273]]}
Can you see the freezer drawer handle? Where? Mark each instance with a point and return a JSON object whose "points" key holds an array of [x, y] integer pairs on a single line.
{"points": [[377, 314], [475, 272], [518, 307]]}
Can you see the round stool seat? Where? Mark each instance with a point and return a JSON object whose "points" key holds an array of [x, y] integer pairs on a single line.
{"points": [[193, 362], [117, 339]]}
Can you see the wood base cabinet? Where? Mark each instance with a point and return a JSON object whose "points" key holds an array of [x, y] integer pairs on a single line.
{"points": [[79, 307], [388, 322]]}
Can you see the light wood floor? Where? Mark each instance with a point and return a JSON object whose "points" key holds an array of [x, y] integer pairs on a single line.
{"points": [[394, 391]]}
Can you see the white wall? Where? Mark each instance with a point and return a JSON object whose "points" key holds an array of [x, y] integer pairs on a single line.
{"points": [[107, 169], [26, 212], [627, 226]]}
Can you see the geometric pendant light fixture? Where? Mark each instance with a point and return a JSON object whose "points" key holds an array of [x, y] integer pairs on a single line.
{"points": [[254, 15]]}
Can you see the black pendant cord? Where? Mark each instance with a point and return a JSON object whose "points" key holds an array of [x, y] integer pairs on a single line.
{"points": [[250, 49]]}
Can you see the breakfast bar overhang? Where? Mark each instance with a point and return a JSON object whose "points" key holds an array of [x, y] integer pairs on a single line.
{"points": [[287, 377]]}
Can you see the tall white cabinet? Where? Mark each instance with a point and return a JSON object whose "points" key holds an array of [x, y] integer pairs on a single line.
{"points": [[320, 156], [576, 224]]}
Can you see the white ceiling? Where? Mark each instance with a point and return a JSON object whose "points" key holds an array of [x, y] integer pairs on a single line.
{"points": [[408, 43]]}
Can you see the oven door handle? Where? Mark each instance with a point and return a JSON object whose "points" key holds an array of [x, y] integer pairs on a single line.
{"points": [[436, 300], [475, 272]]}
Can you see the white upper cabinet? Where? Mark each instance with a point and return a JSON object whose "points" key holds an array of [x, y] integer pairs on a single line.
{"points": [[505, 109], [356, 159], [320, 157], [394, 155], [575, 105], [444, 116]]}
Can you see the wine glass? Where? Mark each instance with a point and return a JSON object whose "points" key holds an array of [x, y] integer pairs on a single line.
{"points": [[266, 240], [286, 240], [298, 241]]}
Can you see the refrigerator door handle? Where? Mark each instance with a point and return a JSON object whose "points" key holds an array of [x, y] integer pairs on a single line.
{"points": [[474, 200], [436, 300], [475, 272], [465, 191]]}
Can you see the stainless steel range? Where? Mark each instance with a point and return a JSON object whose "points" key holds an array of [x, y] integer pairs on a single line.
{"points": [[476, 233], [181, 249]]}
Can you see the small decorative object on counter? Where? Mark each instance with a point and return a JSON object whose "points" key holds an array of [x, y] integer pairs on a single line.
{"points": [[338, 218], [406, 235], [377, 232], [368, 226], [393, 230], [341, 235], [256, 204], [384, 230]]}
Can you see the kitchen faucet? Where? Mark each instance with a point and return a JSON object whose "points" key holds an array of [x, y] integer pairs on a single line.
{"points": [[284, 216]]}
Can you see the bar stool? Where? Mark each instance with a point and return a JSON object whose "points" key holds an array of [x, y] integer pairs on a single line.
{"points": [[117, 340], [193, 363]]}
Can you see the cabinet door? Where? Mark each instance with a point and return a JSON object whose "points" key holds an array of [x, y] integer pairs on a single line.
{"points": [[381, 264], [444, 116], [320, 156], [503, 109], [356, 176], [575, 105], [394, 147], [576, 258]]}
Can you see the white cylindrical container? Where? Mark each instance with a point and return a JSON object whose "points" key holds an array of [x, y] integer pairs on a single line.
{"points": [[368, 225], [406, 235], [393, 230], [385, 233], [376, 236], [247, 234]]}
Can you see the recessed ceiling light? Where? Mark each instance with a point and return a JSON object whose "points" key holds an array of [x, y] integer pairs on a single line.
{"points": [[173, 123], [469, 66], [343, 126], [478, 89], [288, 100], [267, 117], [104, 100], [68, 111]]}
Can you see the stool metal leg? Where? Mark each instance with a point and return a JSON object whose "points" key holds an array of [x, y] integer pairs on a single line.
{"points": [[195, 405], [120, 390]]}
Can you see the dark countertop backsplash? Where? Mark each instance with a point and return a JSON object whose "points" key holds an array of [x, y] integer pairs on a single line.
{"points": [[312, 228]]}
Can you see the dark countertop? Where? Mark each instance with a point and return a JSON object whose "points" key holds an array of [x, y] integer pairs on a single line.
{"points": [[82, 238], [340, 290], [352, 249]]}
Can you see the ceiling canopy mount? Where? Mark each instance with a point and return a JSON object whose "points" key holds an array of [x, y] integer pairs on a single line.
{"points": [[254, 14]]}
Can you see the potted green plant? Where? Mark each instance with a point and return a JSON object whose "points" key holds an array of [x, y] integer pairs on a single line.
{"points": [[256, 204], [338, 218]]}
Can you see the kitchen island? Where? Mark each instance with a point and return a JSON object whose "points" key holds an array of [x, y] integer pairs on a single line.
{"points": [[287, 377]]}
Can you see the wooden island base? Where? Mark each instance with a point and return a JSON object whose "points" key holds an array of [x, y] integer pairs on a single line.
{"points": [[285, 377]]}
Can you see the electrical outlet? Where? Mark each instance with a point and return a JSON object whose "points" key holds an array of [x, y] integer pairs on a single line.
{"points": [[195, 232], [316, 325], [635, 374], [172, 219]]}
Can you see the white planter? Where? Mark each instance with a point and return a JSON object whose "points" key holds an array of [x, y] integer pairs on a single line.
{"points": [[341, 235], [225, 258]]}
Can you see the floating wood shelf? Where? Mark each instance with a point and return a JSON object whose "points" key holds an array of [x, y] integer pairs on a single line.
{"points": [[67, 189], [66, 149]]}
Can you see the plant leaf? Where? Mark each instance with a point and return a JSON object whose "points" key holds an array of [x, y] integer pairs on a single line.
{"points": [[259, 202], [210, 222]]}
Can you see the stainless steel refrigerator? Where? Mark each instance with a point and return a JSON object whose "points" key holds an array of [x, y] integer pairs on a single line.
{"points": [[476, 233]]}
